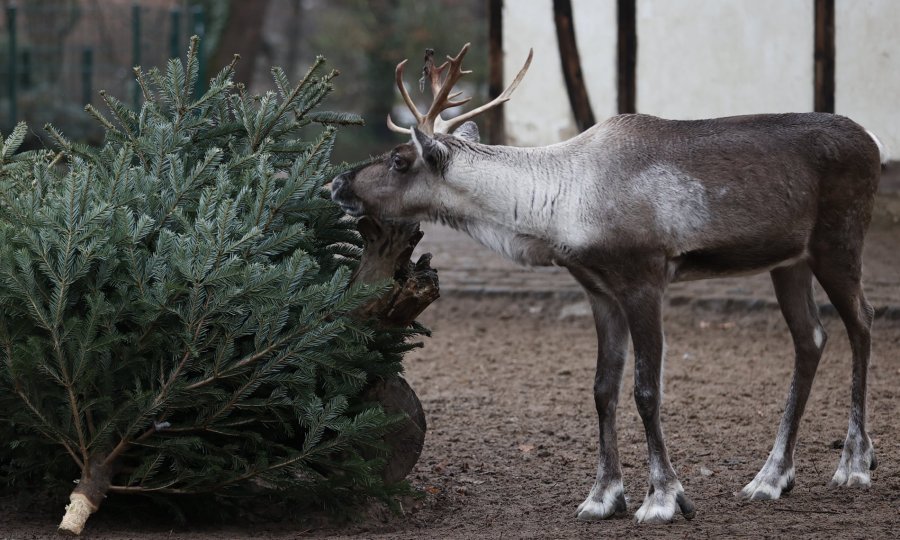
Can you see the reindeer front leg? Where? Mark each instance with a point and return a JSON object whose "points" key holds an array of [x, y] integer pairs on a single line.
{"points": [[607, 496], [643, 308]]}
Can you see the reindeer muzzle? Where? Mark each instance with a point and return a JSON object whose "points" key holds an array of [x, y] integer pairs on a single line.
{"points": [[342, 193]]}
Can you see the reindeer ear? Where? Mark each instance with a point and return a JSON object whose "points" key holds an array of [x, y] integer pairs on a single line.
{"points": [[433, 152], [468, 131]]}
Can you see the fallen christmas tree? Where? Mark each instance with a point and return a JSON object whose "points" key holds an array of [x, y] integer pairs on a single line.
{"points": [[179, 310]]}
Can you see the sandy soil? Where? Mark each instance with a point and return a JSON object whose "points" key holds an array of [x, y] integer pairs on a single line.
{"points": [[510, 453]]}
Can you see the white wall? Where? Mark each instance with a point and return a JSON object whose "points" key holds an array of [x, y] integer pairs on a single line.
{"points": [[539, 112], [706, 58], [709, 58], [867, 66]]}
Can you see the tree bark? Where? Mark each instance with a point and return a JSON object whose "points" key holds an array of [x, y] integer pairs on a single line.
{"points": [[85, 499], [389, 247], [571, 64], [243, 35], [494, 118], [626, 56], [387, 255]]}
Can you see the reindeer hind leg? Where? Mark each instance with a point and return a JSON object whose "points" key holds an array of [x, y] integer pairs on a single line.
{"points": [[838, 268], [793, 288]]}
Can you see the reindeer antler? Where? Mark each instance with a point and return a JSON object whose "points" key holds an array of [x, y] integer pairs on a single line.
{"points": [[431, 122]]}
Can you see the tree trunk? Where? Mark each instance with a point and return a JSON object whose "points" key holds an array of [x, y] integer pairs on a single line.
{"points": [[389, 247], [406, 442], [85, 499], [571, 64], [243, 35]]}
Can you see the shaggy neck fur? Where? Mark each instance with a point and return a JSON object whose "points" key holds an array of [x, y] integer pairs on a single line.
{"points": [[512, 200]]}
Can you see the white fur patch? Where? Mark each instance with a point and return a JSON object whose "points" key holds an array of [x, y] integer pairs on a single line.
{"points": [[818, 337], [882, 151], [662, 201], [521, 249], [856, 459], [769, 483], [600, 503], [678, 199], [659, 506], [851, 479]]}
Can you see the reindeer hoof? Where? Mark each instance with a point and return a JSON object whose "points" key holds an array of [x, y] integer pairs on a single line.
{"points": [[686, 505], [769, 484], [660, 505], [857, 459], [602, 503]]}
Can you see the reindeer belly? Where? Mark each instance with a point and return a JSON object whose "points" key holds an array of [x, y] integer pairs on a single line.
{"points": [[746, 231], [736, 259]]}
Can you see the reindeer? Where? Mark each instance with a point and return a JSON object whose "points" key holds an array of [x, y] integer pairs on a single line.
{"points": [[637, 202]]}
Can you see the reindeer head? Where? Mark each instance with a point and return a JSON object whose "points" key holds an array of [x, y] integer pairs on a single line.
{"points": [[410, 180]]}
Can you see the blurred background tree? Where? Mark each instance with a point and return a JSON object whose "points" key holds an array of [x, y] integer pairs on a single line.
{"points": [[366, 39], [65, 50]]}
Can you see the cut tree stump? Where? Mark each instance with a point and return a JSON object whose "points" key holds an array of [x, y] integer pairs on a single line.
{"points": [[396, 396], [387, 255]]}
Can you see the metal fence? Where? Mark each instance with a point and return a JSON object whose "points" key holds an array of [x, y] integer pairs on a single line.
{"points": [[54, 59]]}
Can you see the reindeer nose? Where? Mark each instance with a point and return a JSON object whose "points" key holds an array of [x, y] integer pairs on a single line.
{"points": [[338, 184]]}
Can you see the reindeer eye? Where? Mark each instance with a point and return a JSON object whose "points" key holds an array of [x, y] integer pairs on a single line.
{"points": [[399, 164]]}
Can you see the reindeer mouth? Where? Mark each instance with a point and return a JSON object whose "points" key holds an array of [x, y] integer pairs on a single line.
{"points": [[354, 209], [349, 206], [345, 198]]}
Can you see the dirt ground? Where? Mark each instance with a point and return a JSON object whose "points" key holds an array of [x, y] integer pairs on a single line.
{"points": [[511, 444], [512, 435], [506, 384]]}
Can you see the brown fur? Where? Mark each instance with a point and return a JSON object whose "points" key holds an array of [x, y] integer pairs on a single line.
{"points": [[638, 202]]}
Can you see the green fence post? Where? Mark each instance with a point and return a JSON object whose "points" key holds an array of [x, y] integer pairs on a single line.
{"points": [[87, 71], [175, 33], [136, 51], [13, 72], [200, 31], [25, 79]]}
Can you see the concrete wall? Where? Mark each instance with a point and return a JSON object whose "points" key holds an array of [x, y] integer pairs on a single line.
{"points": [[706, 58], [539, 112], [867, 66]]}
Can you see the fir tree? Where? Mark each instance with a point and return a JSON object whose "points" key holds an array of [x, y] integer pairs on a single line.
{"points": [[176, 307]]}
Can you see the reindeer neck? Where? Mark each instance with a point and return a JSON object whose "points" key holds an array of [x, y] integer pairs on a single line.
{"points": [[521, 189]]}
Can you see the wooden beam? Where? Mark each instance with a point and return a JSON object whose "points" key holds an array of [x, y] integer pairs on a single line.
{"points": [[571, 65], [626, 53], [494, 119], [823, 100]]}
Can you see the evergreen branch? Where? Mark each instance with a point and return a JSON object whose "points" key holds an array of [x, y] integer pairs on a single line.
{"points": [[205, 426], [12, 143], [62, 295], [98, 116], [220, 84], [250, 359], [53, 433], [212, 158], [72, 148], [323, 448], [125, 118], [286, 104], [165, 490], [192, 69], [149, 97], [160, 400], [321, 143], [336, 118]]}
